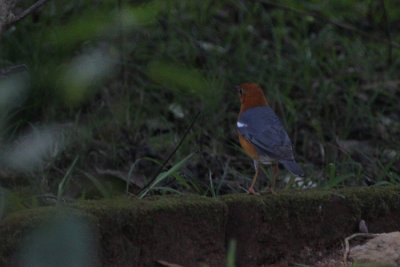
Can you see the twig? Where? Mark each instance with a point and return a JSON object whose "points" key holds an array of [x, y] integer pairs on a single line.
{"points": [[26, 12], [167, 264], [335, 23], [347, 246], [13, 69], [121, 37], [170, 155], [386, 29]]}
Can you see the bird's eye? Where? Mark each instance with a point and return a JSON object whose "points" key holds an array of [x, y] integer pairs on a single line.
{"points": [[241, 91]]}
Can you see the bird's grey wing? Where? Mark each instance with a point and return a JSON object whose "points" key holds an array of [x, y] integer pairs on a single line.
{"points": [[262, 127]]}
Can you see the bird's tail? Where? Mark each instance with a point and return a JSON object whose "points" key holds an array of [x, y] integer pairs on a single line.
{"points": [[292, 166]]}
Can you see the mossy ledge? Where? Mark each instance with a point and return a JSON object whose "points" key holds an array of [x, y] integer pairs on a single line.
{"points": [[193, 230]]}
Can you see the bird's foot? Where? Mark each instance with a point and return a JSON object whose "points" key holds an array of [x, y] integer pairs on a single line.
{"points": [[251, 191], [270, 191]]}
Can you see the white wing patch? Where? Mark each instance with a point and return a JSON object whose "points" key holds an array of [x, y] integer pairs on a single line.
{"points": [[241, 125]]}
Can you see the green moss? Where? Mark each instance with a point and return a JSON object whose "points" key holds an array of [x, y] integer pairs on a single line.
{"points": [[361, 200], [331, 214], [197, 206]]}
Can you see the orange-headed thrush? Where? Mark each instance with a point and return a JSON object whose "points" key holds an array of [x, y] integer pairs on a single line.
{"points": [[262, 135]]}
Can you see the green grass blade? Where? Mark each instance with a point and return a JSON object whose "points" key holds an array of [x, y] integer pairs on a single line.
{"points": [[165, 174], [128, 179], [212, 189], [181, 180], [103, 190], [230, 255], [62, 184]]}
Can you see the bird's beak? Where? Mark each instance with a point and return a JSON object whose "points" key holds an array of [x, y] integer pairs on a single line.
{"points": [[237, 87]]}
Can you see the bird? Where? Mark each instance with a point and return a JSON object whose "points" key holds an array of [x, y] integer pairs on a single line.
{"points": [[262, 135]]}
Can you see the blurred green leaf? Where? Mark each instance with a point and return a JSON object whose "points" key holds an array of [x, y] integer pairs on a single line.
{"points": [[185, 82], [81, 28], [66, 240], [105, 22], [178, 78], [83, 76], [144, 14]]}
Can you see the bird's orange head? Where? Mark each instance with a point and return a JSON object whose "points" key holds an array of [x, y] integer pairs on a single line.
{"points": [[251, 95]]}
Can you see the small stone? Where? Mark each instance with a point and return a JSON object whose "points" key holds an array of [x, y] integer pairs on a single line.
{"points": [[384, 248], [363, 227]]}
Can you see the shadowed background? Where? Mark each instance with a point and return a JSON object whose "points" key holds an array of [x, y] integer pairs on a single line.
{"points": [[109, 99]]}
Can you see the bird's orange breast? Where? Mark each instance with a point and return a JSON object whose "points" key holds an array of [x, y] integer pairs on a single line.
{"points": [[248, 147]]}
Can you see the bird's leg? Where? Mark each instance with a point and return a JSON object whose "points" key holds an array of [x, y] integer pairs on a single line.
{"points": [[272, 188], [251, 188]]}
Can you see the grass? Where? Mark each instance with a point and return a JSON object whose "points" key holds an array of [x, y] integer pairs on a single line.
{"points": [[64, 182], [230, 255], [129, 80]]}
